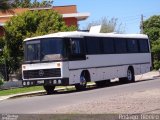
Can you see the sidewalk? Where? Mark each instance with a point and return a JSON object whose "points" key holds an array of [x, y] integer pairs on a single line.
{"points": [[146, 76], [149, 75]]}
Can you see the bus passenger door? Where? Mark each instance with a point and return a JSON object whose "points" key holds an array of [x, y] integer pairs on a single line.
{"points": [[77, 58]]}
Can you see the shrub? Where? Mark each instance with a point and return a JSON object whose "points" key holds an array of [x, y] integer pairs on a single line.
{"points": [[156, 64], [1, 79]]}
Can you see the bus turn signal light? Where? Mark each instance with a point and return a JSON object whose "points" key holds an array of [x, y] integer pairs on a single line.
{"points": [[58, 64], [24, 67]]}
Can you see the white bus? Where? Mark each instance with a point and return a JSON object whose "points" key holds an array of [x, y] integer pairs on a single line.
{"points": [[75, 58]]}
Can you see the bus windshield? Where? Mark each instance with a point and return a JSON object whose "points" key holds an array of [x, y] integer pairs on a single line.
{"points": [[48, 49]]}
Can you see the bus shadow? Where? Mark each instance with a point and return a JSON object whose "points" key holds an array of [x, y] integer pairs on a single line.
{"points": [[73, 90], [94, 87]]}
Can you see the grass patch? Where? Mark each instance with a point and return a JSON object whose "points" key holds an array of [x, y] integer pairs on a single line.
{"points": [[20, 90]]}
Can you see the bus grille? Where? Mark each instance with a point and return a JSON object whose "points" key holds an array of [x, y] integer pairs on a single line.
{"points": [[43, 73]]}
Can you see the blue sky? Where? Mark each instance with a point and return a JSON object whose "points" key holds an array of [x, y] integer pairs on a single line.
{"points": [[128, 12]]}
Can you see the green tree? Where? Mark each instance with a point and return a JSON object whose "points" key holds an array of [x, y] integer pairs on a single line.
{"points": [[26, 3], [21, 3], [45, 3], [152, 29], [35, 4], [107, 25], [30, 4], [5, 5], [29, 24], [2, 42]]}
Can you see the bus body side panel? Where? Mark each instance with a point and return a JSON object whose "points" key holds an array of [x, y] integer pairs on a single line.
{"points": [[65, 69], [102, 67], [137, 69], [74, 76], [145, 68], [108, 73]]}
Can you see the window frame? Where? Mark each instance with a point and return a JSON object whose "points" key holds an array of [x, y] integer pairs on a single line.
{"points": [[34, 42], [103, 44], [122, 51], [76, 56], [128, 46], [99, 43], [148, 48]]}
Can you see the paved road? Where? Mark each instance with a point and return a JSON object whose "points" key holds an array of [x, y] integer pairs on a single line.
{"points": [[53, 103]]}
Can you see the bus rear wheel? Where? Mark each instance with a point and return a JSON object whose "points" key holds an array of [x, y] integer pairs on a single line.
{"points": [[49, 89], [130, 76]]}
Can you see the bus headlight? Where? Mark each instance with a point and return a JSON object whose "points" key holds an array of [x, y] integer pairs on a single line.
{"points": [[55, 81], [28, 83], [59, 81], [24, 83], [58, 64], [24, 67]]}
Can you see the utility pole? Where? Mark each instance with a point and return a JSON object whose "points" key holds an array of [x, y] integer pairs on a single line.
{"points": [[141, 25]]}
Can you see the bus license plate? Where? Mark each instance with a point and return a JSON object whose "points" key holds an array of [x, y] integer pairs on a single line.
{"points": [[40, 82]]}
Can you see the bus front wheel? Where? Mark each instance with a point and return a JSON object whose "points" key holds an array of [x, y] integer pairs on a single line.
{"points": [[49, 89], [83, 82]]}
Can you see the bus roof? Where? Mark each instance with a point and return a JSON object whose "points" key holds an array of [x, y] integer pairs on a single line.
{"points": [[82, 34]]}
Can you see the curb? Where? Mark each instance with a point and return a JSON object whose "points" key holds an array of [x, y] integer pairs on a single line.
{"points": [[25, 94]]}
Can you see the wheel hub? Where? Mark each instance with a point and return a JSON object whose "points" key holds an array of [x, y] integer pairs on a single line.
{"points": [[129, 75]]}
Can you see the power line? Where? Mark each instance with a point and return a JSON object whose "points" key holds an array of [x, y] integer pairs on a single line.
{"points": [[130, 17], [132, 20]]}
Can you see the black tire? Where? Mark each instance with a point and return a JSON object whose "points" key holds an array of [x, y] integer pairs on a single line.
{"points": [[49, 89], [102, 83], [130, 76], [83, 82]]}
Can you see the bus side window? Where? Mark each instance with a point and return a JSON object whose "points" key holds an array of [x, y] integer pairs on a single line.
{"points": [[143, 45], [120, 45], [108, 46], [132, 45], [93, 45]]}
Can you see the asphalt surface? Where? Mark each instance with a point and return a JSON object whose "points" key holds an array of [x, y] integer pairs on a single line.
{"points": [[49, 103]]}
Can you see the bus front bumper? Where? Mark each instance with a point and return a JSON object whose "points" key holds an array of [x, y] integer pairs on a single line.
{"points": [[54, 82]]}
